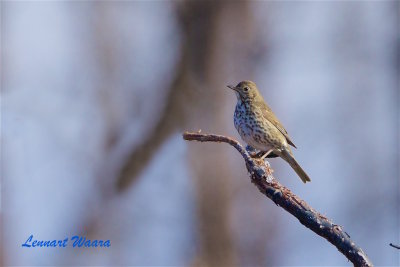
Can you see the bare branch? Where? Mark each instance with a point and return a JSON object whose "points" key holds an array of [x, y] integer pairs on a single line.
{"points": [[261, 176], [395, 246]]}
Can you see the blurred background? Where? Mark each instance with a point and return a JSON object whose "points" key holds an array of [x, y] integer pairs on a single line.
{"points": [[95, 97]]}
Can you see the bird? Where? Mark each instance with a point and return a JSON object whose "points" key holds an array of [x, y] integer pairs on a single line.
{"points": [[258, 126]]}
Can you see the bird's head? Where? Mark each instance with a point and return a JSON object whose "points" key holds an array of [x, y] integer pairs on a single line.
{"points": [[245, 90]]}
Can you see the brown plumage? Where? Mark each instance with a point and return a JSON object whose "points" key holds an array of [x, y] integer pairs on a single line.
{"points": [[260, 128]]}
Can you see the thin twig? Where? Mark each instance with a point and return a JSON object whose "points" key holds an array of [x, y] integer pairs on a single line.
{"points": [[261, 176], [395, 246]]}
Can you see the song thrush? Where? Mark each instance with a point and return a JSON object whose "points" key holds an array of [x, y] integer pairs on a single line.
{"points": [[260, 128]]}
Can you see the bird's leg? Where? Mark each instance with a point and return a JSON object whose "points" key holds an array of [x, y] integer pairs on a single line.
{"points": [[259, 154], [266, 154], [255, 153]]}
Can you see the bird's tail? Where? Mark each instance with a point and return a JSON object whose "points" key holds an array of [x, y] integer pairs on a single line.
{"points": [[289, 158]]}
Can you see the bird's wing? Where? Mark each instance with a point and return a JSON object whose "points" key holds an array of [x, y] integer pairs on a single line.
{"points": [[270, 116]]}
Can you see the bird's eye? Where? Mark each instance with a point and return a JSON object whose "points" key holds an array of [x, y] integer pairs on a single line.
{"points": [[246, 89]]}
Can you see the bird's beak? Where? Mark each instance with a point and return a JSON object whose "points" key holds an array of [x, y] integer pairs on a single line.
{"points": [[232, 87]]}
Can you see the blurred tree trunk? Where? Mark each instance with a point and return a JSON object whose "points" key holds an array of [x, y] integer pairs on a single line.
{"points": [[207, 43], [211, 34], [216, 241]]}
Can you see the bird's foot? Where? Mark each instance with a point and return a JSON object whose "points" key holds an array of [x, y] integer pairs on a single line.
{"points": [[255, 153]]}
